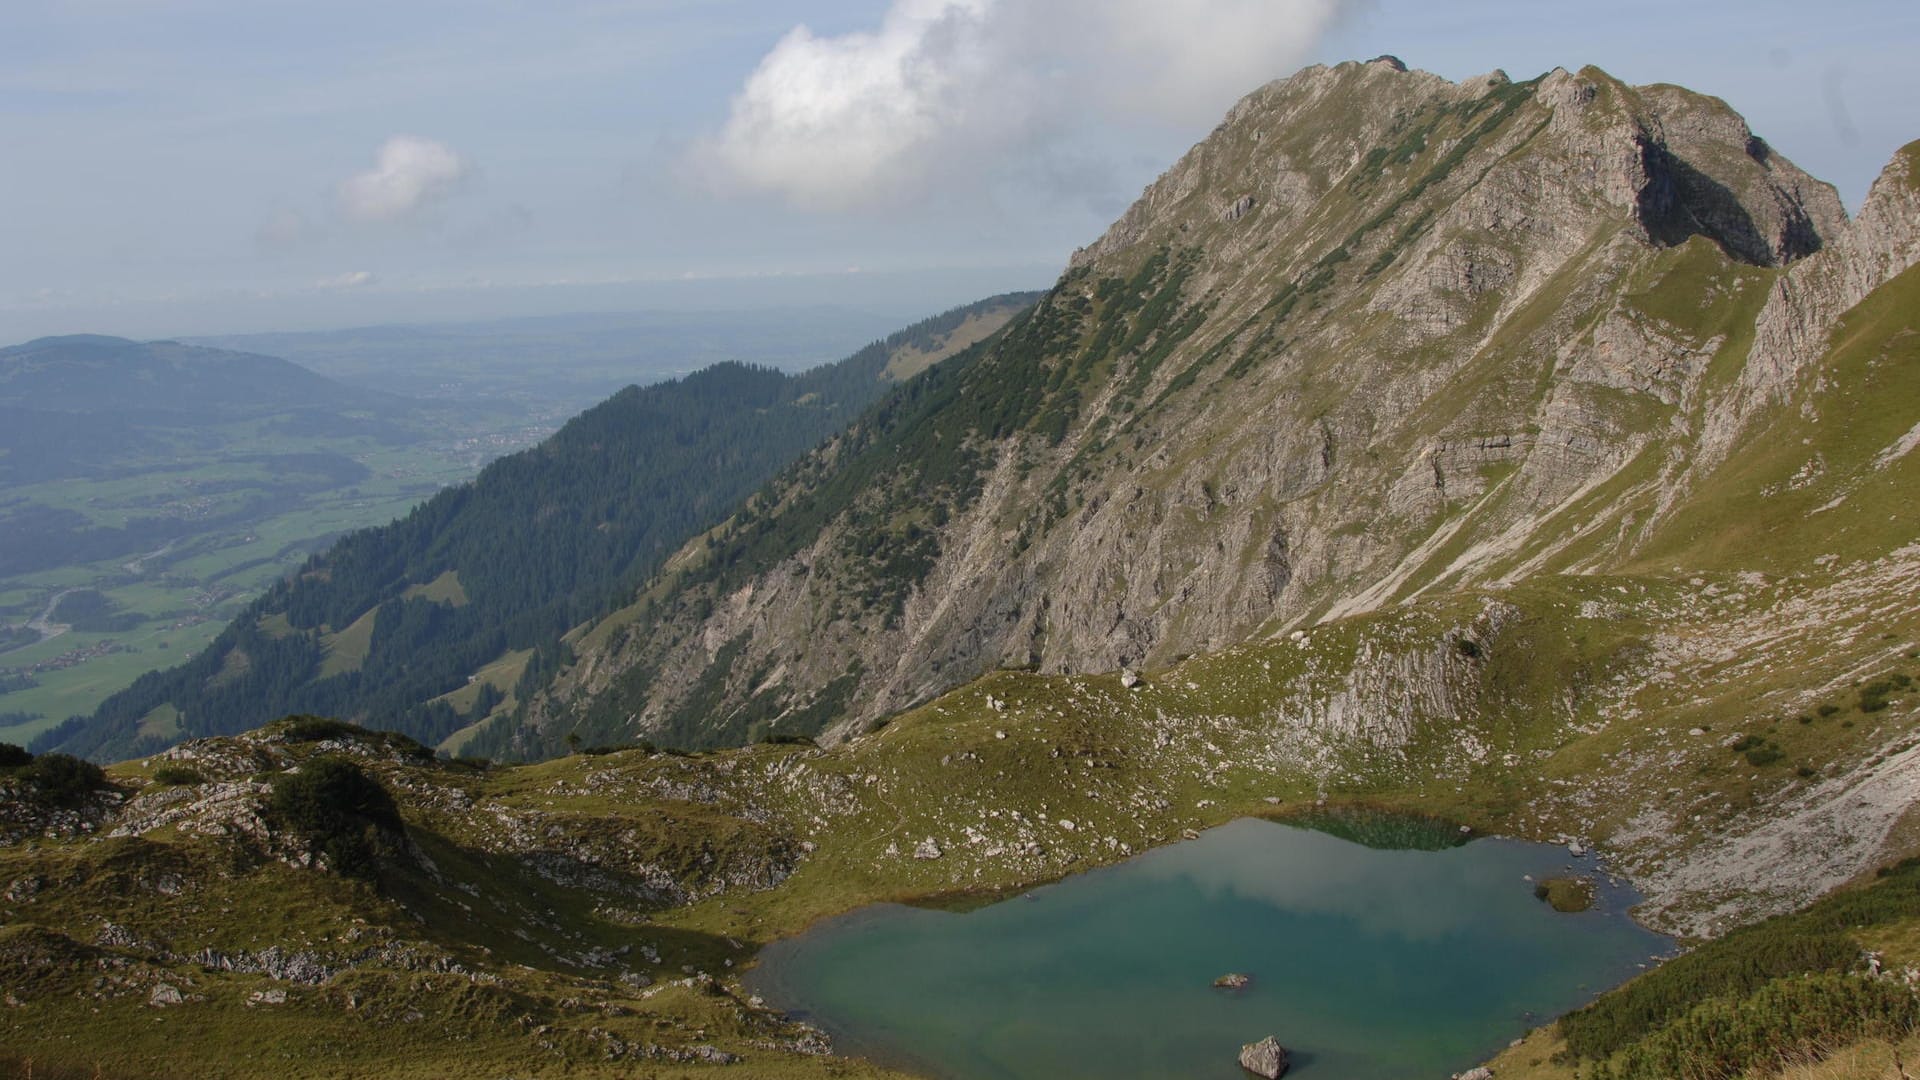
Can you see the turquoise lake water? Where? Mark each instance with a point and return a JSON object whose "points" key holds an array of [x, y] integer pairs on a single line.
{"points": [[1366, 963]]}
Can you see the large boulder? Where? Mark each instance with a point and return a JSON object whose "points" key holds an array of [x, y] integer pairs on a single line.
{"points": [[1265, 1058]]}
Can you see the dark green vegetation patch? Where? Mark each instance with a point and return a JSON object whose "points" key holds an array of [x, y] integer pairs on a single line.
{"points": [[1792, 985]]}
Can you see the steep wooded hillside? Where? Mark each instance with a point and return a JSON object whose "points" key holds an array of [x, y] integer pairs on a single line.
{"points": [[432, 623]]}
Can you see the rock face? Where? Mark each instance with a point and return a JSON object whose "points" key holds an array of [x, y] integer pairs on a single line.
{"points": [[1265, 1058], [1379, 335]]}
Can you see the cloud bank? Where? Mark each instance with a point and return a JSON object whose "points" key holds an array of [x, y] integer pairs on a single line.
{"points": [[943, 87], [409, 174]]}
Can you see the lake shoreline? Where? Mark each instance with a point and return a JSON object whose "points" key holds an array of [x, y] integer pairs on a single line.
{"points": [[1614, 894]]}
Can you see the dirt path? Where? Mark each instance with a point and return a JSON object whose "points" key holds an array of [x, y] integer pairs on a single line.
{"points": [[43, 623], [137, 565]]}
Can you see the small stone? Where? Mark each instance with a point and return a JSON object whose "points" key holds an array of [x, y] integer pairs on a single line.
{"points": [[1233, 980], [1478, 1073], [1266, 1058], [164, 995], [927, 849], [1067, 825], [1575, 848], [1696, 732], [1129, 678]]}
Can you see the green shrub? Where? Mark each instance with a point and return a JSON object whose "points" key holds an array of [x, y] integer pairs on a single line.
{"points": [[1566, 894], [320, 729], [63, 779], [1765, 754], [13, 757], [1874, 695], [781, 739], [1787, 1020], [1828, 710], [340, 811], [1746, 743], [1814, 942], [178, 775], [1737, 964]]}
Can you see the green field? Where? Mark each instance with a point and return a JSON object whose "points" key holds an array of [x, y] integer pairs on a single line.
{"points": [[235, 518]]}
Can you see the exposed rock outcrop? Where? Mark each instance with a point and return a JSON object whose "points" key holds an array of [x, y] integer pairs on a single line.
{"points": [[1266, 1058], [1436, 317]]}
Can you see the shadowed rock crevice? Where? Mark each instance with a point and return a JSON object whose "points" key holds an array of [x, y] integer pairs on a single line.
{"points": [[1679, 202]]}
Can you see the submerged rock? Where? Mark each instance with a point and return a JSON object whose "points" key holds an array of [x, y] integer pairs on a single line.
{"points": [[1265, 1058], [1233, 980]]}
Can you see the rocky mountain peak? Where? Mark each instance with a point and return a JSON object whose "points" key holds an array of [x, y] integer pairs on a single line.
{"points": [[1676, 163], [1377, 337]]}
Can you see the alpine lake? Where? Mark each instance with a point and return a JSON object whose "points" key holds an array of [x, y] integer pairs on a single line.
{"points": [[1377, 947]]}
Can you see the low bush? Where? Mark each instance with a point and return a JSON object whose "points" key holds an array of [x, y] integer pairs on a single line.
{"points": [[320, 729], [341, 812], [1786, 1021], [1812, 942], [178, 776], [13, 757], [1874, 695], [779, 739], [63, 779], [323, 728]]}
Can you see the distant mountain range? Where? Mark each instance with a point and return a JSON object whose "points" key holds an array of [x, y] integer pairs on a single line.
{"points": [[93, 374]]}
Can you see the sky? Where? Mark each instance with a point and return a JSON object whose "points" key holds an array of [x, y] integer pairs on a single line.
{"points": [[183, 167]]}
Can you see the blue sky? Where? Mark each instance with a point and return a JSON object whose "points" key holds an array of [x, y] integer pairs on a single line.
{"points": [[208, 166]]}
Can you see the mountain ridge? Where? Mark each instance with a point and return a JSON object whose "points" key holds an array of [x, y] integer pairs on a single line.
{"points": [[404, 623], [1481, 258], [94, 373]]}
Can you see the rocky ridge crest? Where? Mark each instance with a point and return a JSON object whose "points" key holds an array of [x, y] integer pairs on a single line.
{"points": [[1379, 334]]}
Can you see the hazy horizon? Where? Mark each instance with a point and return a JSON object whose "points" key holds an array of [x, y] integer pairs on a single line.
{"points": [[205, 167]]}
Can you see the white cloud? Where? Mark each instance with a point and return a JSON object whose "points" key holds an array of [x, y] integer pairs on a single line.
{"points": [[943, 88], [351, 280], [409, 173]]}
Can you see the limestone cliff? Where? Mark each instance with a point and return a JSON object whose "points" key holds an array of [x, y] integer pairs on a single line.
{"points": [[1379, 334]]}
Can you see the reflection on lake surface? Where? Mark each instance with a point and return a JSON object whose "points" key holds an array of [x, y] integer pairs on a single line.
{"points": [[1366, 963]]}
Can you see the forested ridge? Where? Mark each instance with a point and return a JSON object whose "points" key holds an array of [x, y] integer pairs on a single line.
{"points": [[391, 618]]}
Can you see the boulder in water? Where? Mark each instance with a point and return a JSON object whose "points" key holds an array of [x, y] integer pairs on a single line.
{"points": [[1265, 1058]]}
